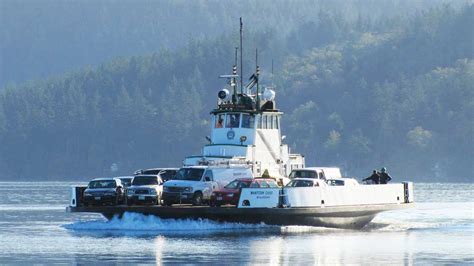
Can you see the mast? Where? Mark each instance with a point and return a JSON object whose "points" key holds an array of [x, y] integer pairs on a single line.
{"points": [[234, 72], [241, 61], [257, 73]]}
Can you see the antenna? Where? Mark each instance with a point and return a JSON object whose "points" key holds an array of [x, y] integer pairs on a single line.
{"points": [[257, 73], [273, 85], [234, 72], [236, 51], [241, 64]]}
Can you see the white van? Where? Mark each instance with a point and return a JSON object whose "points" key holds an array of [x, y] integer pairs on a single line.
{"points": [[195, 184]]}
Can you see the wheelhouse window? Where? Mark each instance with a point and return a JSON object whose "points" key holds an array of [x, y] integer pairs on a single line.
{"points": [[219, 121], [274, 120], [269, 122], [233, 120], [248, 121]]}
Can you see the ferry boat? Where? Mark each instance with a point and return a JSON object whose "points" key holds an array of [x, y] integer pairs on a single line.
{"points": [[246, 132]]}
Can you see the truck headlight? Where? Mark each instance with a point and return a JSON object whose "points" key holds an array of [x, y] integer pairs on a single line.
{"points": [[188, 189], [230, 194], [130, 192], [166, 189], [87, 195], [152, 192]]}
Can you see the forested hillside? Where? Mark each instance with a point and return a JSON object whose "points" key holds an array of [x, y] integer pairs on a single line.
{"points": [[41, 38], [360, 92]]}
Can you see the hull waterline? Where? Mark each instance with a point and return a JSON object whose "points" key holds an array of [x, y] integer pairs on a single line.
{"points": [[347, 217]]}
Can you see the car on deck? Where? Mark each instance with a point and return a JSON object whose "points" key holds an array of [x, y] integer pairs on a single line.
{"points": [[145, 189], [231, 192], [104, 191], [126, 180], [165, 173]]}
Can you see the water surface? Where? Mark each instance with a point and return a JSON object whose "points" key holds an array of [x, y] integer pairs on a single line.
{"points": [[34, 228]]}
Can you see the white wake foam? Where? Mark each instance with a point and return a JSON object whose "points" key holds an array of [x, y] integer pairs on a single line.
{"points": [[138, 222]]}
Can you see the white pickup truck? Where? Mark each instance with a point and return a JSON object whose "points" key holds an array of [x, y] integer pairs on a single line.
{"points": [[195, 184], [331, 175]]}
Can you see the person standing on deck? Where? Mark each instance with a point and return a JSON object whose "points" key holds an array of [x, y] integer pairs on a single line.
{"points": [[384, 176], [375, 177]]}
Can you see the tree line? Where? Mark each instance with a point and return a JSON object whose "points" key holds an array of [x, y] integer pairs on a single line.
{"points": [[359, 92]]}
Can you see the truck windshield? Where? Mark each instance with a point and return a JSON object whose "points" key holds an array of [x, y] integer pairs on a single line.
{"points": [[300, 183], [144, 180], [302, 174], [189, 174], [102, 184]]}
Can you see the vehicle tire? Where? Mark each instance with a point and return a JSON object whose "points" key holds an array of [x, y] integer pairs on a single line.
{"points": [[197, 198]]}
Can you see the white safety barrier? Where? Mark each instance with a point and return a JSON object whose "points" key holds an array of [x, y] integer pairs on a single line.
{"points": [[76, 196], [73, 202], [259, 198], [326, 196]]}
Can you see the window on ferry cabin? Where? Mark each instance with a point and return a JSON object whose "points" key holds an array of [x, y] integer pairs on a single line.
{"points": [[264, 121], [233, 120], [219, 121], [259, 121], [247, 121], [269, 122], [274, 126]]}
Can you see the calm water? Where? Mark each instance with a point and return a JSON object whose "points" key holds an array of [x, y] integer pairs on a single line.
{"points": [[34, 228]]}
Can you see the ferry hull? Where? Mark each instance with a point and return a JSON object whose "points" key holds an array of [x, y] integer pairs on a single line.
{"points": [[347, 217]]}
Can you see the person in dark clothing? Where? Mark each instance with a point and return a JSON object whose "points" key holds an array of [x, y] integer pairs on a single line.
{"points": [[384, 176], [375, 178]]}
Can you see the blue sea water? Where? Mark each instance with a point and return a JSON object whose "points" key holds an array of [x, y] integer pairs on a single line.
{"points": [[35, 228]]}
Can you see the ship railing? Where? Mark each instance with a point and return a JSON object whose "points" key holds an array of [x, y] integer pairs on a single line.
{"points": [[226, 162]]}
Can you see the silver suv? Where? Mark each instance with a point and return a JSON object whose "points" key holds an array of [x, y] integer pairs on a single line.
{"points": [[145, 189]]}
